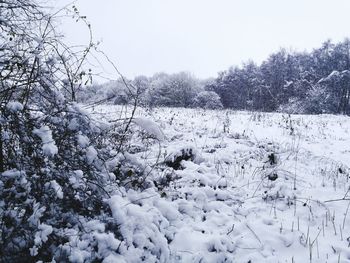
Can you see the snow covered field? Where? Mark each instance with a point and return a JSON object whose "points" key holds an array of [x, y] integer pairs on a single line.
{"points": [[258, 187]]}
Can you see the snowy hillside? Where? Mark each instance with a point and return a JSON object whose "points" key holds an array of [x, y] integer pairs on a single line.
{"points": [[255, 187]]}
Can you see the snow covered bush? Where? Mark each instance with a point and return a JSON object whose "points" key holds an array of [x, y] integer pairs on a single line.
{"points": [[188, 153], [59, 168], [208, 100], [175, 90]]}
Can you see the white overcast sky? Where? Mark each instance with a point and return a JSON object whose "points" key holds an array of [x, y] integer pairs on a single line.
{"points": [[206, 36]]}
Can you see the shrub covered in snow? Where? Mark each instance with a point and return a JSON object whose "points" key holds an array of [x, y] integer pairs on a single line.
{"points": [[61, 170], [175, 158], [208, 100]]}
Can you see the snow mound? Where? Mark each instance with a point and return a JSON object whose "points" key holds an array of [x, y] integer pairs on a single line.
{"points": [[49, 147], [91, 154], [150, 127], [142, 226], [14, 106]]}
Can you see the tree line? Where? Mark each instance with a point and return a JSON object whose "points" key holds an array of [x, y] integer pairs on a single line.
{"points": [[289, 81], [297, 82], [181, 89]]}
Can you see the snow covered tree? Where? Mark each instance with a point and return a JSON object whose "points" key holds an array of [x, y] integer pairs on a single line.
{"points": [[207, 100], [290, 81], [176, 90], [336, 87]]}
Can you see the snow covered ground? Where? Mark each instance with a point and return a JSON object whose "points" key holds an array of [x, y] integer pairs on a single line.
{"points": [[260, 187]]}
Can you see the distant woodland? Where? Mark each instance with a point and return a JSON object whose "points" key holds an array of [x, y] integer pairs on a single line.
{"points": [[288, 81]]}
